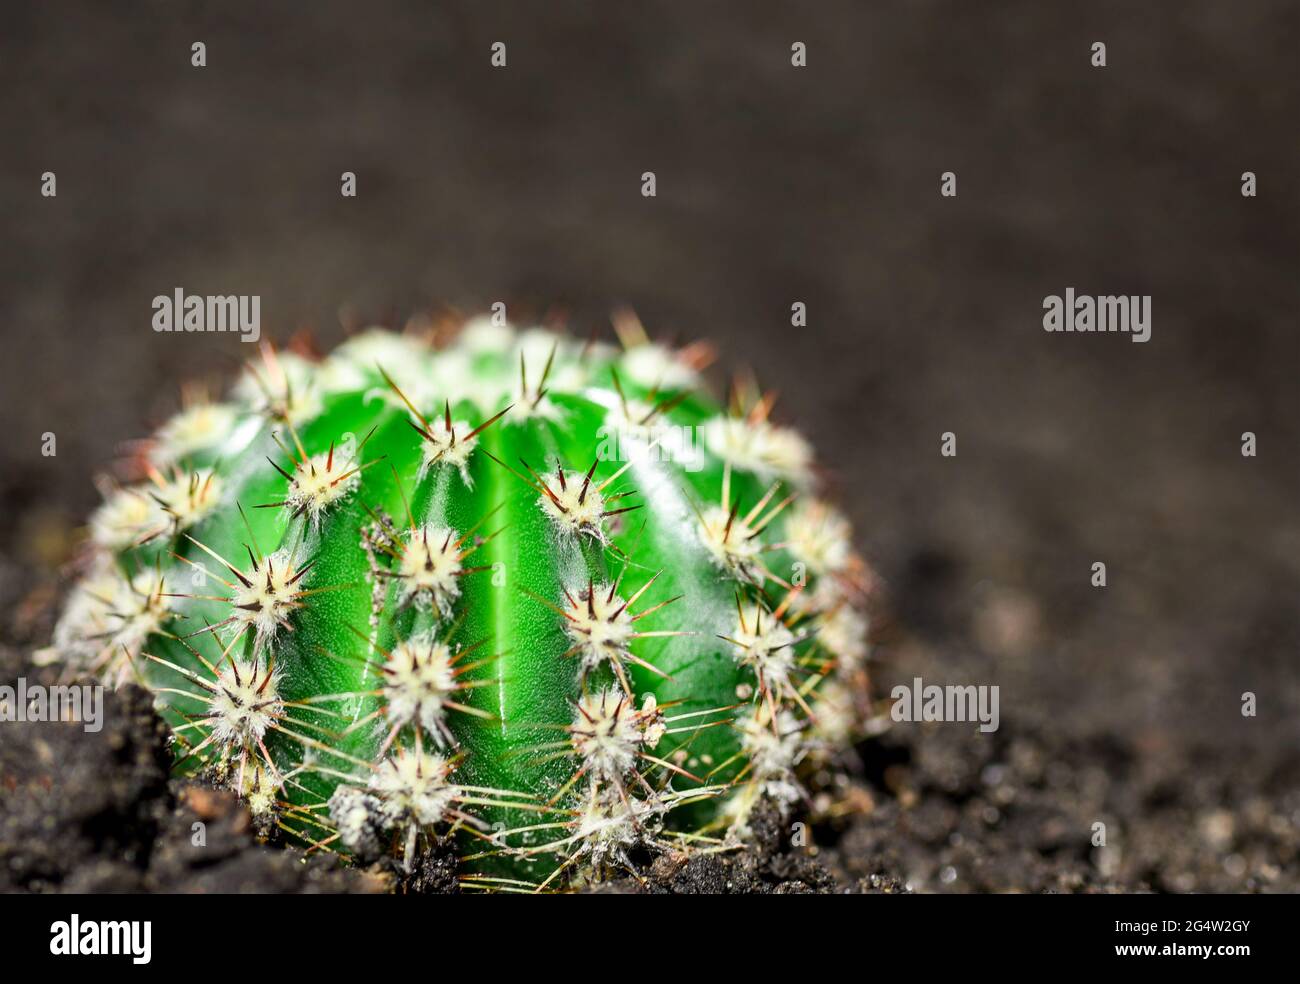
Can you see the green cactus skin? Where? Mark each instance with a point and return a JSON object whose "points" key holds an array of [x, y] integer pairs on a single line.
{"points": [[548, 596]]}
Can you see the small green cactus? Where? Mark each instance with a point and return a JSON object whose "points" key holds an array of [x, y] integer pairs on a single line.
{"points": [[543, 595]]}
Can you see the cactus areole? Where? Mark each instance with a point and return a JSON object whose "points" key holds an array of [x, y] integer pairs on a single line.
{"points": [[545, 597]]}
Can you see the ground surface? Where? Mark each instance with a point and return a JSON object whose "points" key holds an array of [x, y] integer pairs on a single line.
{"points": [[1119, 705], [921, 809]]}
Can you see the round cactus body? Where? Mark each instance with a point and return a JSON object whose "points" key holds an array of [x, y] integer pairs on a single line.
{"points": [[545, 595]]}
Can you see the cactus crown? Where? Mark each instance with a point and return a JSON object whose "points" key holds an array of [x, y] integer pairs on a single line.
{"points": [[546, 596]]}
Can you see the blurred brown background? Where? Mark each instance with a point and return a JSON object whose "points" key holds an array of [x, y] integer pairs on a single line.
{"points": [[775, 184]]}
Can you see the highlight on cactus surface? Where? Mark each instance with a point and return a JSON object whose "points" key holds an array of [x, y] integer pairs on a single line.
{"points": [[543, 599]]}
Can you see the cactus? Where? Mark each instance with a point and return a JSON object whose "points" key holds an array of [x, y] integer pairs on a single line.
{"points": [[546, 596]]}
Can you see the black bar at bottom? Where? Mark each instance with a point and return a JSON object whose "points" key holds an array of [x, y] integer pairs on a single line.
{"points": [[304, 935]]}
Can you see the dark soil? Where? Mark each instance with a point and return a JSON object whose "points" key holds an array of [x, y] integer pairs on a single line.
{"points": [[1119, 705], [98, 813], [927, 808]]}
